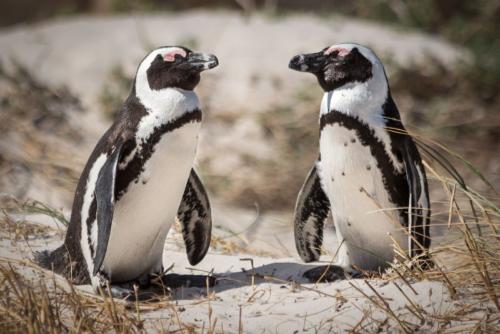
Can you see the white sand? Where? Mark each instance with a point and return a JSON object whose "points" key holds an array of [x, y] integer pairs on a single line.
{"points": [[274, 298]]}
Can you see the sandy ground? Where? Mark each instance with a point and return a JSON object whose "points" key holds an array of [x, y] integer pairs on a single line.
{"points": [[269, 295], [253, 75]]}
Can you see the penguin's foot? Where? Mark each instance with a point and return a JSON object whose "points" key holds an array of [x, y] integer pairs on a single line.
{"points": [[424, 262], [173, 281], [132, 292], [329, 273]]}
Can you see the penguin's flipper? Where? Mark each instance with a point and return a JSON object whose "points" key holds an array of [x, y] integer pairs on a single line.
{"points": [[419, 204], [311, 212], [195, 216], [419, 211], [105, 198]]}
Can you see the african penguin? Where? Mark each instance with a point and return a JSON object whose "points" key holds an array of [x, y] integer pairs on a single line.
{"points": [[138, 179], [369, 173]]}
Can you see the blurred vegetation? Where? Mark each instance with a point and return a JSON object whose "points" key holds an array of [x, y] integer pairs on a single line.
{"points": [[34, 118], [457, 105], [114, 91], [472, 24]]}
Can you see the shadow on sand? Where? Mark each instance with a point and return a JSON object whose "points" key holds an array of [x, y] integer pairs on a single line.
{"points": [[280, 273]]}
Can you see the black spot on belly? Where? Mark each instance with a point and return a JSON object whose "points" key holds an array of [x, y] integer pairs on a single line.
{"points": [[353, 140], [343, 173], [394, 181], [368, 167], [345, 144]]}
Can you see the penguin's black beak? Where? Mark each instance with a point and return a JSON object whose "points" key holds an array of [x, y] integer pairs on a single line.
{"points": [[311, 62], [202, 61]]}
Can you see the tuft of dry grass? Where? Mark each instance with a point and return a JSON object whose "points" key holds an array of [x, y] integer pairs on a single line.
{"points": [[19, 230], [45, 305], [30, 207], [465, 259]]}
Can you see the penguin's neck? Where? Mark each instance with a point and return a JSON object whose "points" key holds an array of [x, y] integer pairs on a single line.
{"points": [[163, 106], [168, 103], [363, 101]]}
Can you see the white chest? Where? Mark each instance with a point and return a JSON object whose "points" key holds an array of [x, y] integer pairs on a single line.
{"points": [[347, 167], [144, 214], [363, 214]]}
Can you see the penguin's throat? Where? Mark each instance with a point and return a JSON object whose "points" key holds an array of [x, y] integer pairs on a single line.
{"points": [[358, 98], [164, 107], [169, 103], [362, 100]]}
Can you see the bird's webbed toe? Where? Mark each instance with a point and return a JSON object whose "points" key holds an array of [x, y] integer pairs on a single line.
{"points": [[132, 292], [329, 273], [173, 281]]}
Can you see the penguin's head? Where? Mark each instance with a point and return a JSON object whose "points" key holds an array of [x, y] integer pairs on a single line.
{"points": [[340, 64], [174, 67]]}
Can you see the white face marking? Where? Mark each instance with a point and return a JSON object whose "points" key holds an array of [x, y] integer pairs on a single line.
{"points": [[341, 51], [84, 214], [361, 99], [167, 103], [172, 52], [163, 105]]}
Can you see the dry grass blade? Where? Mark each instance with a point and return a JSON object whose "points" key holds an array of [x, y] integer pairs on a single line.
{"points": [[47, 305], [382, 304]]}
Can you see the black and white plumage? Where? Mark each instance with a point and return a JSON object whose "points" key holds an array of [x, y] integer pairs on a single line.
{"points": [[139, 177], [369, 174]]}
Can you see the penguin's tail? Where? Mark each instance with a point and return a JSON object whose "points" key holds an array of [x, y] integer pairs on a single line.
{"points": [[55, 260], [43, 258], [59, 261]]}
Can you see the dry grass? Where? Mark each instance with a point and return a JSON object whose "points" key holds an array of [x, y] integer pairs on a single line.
{"points": [[45, 305], [466, 262], [466, 257]]}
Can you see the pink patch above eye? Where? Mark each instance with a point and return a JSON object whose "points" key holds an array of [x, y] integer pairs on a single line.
{"points": [[170, 56], [341, 51]]}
